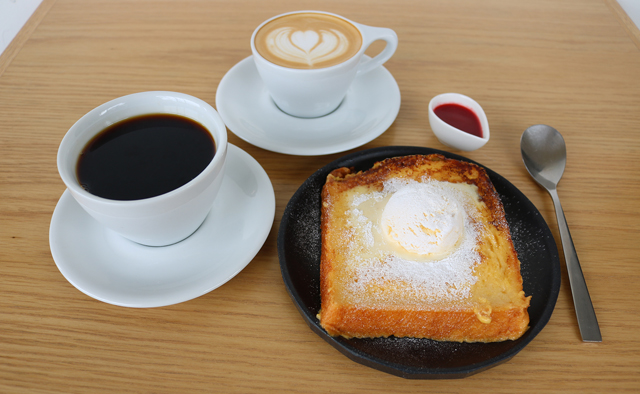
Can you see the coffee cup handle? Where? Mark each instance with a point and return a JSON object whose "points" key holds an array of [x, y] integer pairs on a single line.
{"points": [[371, 34]]}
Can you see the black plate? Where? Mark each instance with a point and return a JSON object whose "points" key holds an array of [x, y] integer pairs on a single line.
{"points": [[299, 253]]}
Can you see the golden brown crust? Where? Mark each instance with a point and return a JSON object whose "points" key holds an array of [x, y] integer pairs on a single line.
{"points": [[497, 308], [456, 326]]}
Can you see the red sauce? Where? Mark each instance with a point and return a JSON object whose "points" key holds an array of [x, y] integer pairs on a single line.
{"points": [[460, 117]]}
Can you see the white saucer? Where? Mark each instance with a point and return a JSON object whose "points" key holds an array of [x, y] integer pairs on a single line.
{"points": [[110, 268], [370, 107]]}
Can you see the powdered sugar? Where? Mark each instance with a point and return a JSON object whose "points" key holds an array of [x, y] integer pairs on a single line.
{"points": [[365, 226], [376, 259]]}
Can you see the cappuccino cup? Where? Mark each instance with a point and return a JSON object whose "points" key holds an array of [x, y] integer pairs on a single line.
{"points": [[158, 219], [307, 60]]}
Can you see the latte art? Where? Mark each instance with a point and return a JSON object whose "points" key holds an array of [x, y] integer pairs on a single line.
{"points": [[308, 41], [308, 47]]}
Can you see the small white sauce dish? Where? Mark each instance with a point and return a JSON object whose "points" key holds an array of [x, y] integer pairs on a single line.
{"points": [[452, 136]]}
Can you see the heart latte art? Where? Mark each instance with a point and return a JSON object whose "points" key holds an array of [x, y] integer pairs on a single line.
{"points": [[308, 47], [308, 41]]}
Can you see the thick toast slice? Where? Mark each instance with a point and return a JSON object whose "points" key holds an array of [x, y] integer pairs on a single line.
{"points": [[418, 246]]}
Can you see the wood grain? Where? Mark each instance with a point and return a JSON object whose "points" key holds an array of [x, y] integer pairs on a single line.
{"points": [[23, 35], [571, 64]]}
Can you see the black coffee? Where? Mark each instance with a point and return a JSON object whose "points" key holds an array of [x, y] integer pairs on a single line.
{"points": [[144, 156]]}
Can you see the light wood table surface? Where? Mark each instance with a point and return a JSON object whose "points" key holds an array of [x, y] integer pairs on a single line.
{"points": [[572, 64]]}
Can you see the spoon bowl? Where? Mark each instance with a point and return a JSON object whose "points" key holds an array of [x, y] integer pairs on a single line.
{"points": [[544, 154]]}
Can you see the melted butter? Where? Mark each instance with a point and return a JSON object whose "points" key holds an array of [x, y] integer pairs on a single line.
{"points": [[483, 311]]}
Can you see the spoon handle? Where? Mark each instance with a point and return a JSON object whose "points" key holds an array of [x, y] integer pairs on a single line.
{"points": [[587, 321]]}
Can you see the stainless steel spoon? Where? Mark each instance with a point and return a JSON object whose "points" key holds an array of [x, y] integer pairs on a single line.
{"points": [[545, 156]]}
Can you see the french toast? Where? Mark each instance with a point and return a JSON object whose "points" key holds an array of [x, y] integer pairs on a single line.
{"points": [[418, 246]]}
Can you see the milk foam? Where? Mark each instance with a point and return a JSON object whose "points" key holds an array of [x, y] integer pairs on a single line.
{"points": [[307, 47], [308, 40]]}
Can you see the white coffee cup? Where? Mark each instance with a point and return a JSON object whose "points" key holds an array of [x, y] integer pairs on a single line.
{"points": [[316, 92], [164, 219]]}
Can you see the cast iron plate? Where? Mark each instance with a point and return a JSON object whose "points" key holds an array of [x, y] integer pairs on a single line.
{"points": [[299, 253]]}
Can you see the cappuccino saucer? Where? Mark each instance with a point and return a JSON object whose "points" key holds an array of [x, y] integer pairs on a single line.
{"points": [[112, 269], [370, 107]]}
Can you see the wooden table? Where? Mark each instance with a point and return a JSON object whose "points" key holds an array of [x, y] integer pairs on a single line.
{"points": [[572, 64]]}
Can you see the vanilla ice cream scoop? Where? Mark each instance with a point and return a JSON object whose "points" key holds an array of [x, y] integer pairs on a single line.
{"points": [[421, 219]]}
